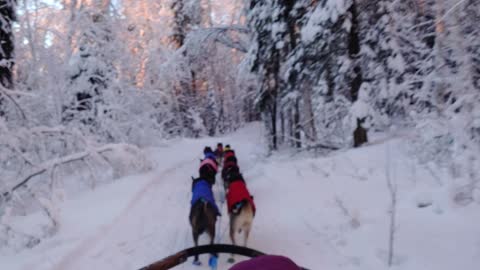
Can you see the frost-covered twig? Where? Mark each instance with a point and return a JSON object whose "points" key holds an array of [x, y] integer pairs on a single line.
{"points": [[322, 146], [20, 154], [227, 41], [238, 28], [49, 208], [312, 146], [392, 188], [218, 34], [17, 92], [450, 11], [7, 93], [353, 220], [61, 130]]}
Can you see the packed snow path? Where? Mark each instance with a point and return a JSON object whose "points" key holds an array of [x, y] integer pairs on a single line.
{"points": [[324, 213]]}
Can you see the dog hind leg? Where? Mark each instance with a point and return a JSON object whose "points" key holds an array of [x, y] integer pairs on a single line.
{"points": [[246, 232], [196, 261], [232, 236], [211, 227]]}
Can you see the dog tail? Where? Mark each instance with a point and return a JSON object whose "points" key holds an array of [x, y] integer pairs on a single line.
{"points": [[205, 208]]}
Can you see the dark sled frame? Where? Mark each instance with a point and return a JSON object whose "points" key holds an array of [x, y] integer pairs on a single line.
{"points": [[182, 256]]}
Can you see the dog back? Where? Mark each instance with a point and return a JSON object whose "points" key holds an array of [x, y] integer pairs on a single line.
{"points": [[209, 162], [229, 159], [228, 153], [202, 191], [229, 169], [238, 192]]}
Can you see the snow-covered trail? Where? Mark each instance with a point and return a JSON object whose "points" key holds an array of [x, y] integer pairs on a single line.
{"points": [[155, 223], [324, 213], [135, 221], [111, 240], [157, 205]]}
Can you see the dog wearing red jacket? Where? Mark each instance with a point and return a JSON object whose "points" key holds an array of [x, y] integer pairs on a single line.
{"points": [[241, 209], [229, 155], [230, 170]]}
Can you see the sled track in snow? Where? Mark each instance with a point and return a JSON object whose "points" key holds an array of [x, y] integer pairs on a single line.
{"points": [[89, 243], [220, 233]]}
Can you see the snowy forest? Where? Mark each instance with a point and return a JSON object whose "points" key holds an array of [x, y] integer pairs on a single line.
{"points": [[87, 85]]}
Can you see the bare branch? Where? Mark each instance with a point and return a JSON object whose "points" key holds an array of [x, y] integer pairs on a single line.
{"points": [[227, 41], [238, 28], [313, 146], [220, 35], [354, 222]]}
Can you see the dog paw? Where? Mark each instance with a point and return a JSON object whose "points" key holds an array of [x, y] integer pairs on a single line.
{"points": [[212, 262], [197, 263]]}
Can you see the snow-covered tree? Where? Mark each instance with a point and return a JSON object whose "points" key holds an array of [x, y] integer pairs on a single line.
{"points": [[91, 69], [322, 66], [274, 37], [7, 17], [187, 15], [210, 115]]}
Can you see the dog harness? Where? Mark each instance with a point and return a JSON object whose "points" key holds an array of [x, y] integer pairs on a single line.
{"points": [[210, 155], [219, 151], [209, 162], [228, 168], [202, 190], [227, 154], [238, 192], [229, 164]]}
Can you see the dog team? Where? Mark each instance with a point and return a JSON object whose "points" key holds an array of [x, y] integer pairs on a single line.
{"points": [[204, 210]]}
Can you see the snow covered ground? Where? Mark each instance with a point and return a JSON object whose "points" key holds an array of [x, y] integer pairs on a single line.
{"points": [[324, 213]]}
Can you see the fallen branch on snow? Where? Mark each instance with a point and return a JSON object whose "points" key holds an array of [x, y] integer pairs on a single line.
{"points": [[44, 167]]}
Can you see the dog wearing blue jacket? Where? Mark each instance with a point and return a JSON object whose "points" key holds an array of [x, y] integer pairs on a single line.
{"points": [[203, 211]]}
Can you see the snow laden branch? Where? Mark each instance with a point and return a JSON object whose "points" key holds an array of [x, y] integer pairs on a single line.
{"points": [[222, 37], [50, 164], [314, 146], [9, 94], [60, 147], [229, 36]]}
